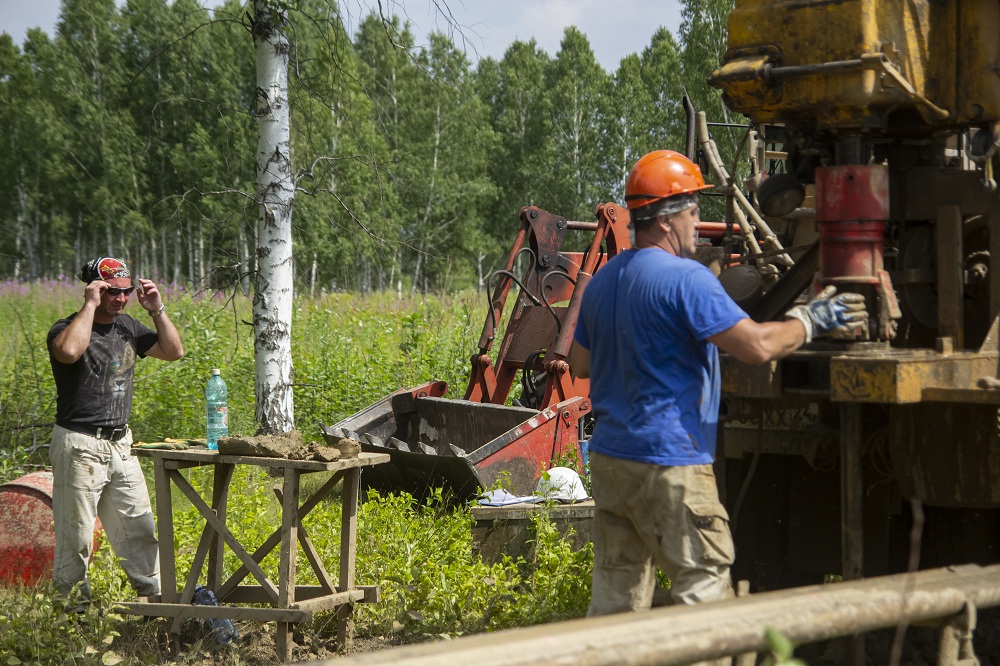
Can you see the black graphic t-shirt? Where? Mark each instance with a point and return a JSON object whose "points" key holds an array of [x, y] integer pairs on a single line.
{"points": [[97, 389]]}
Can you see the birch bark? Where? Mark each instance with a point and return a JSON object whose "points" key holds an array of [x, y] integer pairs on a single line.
{"points": [[272, 303]]}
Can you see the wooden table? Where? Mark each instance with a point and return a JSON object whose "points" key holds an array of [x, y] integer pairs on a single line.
{"points": [[290, 603]]}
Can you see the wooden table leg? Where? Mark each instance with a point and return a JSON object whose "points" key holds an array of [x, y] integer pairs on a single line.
{"points": [[289, 541], [222, 476], [348, 553], [165, 533]]}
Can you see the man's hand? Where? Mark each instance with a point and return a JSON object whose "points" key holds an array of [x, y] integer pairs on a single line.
{"points": [[148, 295], [843, 314], [92, 294], [168, 345]]}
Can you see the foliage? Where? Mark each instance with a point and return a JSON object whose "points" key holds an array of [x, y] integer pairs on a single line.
{"points": [[36, 628], [132, 132], [350, 350], [433, 585], [703, 37], [781, 649]]}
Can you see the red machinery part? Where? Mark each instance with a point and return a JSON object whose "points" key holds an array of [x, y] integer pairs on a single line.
{"points": [[27, 537], [852, 206]]}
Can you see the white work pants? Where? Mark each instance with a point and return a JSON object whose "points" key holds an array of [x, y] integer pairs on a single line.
{"points": [[99, 478], [648, 514]]}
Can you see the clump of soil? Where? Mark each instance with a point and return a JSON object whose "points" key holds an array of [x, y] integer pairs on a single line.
{"points": [[288, 445]]}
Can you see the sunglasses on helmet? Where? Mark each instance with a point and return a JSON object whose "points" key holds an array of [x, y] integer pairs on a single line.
{"points": [[115, 291]]}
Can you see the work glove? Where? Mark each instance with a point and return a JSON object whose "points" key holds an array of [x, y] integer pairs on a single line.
{"points": [[841, 315]]}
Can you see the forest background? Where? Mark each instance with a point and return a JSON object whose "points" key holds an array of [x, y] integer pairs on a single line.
{"points": [[130, 132]]}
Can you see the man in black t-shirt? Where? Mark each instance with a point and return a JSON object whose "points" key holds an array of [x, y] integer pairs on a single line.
{"points": [[93, 354]]}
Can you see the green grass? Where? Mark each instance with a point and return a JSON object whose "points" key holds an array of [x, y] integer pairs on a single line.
{"points": [[348, 351]]}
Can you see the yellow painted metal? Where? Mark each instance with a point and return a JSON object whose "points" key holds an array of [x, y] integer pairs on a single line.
{"points": [[911, 377], [912, 54], [869, 380]]}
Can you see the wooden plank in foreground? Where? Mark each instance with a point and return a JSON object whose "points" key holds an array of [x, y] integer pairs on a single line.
{"points": [[681, 635]]}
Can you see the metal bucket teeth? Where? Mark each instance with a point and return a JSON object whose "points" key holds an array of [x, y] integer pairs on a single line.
{"points": [[459, 453], [336, 433], [399, 444], [374, 440], [429, 450]]}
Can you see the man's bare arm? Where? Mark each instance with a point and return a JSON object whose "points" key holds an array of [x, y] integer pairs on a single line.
{"points": [[72, 341], [168, 345], [755, 343], [579, 360]]}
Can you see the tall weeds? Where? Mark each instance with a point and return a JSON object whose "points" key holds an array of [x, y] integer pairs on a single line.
{"points": [[348, 351]]}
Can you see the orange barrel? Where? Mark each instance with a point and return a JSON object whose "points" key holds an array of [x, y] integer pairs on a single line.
{"points": [[27, 538]]}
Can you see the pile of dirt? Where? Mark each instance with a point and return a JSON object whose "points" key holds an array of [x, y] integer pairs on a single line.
{"points": [[289, 446]]}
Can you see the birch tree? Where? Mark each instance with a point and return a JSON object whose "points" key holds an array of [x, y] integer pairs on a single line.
{"points": [[703, 33], [272, 303], [575, 83], [519, 121]]}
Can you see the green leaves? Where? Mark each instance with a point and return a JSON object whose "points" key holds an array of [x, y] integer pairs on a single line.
{"points": [[781, 649], [132, 131]]}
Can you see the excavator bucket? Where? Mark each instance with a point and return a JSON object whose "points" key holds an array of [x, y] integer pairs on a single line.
{"points": [[461, 446], [468, 445]]}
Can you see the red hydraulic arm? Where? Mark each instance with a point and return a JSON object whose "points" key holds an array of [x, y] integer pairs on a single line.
{"points": [[541, 322]]}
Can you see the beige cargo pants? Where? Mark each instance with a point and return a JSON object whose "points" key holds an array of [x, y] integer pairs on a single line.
{"points": [[650, 515], [100, 478]]}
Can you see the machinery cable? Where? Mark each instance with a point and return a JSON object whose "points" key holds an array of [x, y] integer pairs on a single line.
{"points": [[532, 389], [501, 271]]}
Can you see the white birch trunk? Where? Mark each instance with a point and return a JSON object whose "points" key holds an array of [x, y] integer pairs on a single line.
{"points": [[272, 303], [312, 274], [178, 255], [245, 267], [22, 223]]}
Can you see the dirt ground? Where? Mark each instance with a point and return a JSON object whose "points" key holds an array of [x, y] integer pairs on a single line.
{"points": [[146, 641]]}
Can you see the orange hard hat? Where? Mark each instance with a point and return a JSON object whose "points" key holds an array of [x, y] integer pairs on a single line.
{"points": [[661, 174]]}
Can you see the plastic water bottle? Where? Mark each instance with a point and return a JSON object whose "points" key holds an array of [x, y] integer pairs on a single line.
{"points": [[218, 412], [222, 628]]}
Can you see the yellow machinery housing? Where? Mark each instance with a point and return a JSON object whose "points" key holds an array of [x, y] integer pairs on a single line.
{"points": [[884, 115]]}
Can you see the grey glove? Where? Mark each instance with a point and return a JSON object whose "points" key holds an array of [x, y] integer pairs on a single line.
{"points": [[825, 314]]}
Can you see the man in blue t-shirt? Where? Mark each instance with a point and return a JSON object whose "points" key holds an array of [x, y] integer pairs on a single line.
{"points": [[650, 326]]}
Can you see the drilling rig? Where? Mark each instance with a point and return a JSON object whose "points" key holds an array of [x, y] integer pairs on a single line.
{"points": [[873, 128]]}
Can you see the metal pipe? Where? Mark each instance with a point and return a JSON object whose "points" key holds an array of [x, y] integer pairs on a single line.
{"points": [[689, 114]]}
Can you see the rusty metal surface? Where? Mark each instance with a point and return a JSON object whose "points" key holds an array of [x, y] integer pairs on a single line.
{"points": [[947, 455], [543, 316], [27, 538], [460, 445], [852, 192], [850, 64], [464, 445], [911, 376], [950, 278], [896, 376], [750, 381]]}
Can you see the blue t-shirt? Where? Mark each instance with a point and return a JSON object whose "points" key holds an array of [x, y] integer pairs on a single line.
{"points": [[654, 378]]}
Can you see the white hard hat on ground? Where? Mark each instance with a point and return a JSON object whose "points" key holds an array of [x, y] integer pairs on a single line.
{"points": [[561, 484]]}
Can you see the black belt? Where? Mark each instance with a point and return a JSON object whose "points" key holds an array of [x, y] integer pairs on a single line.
{"points": [[111, 433]]}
